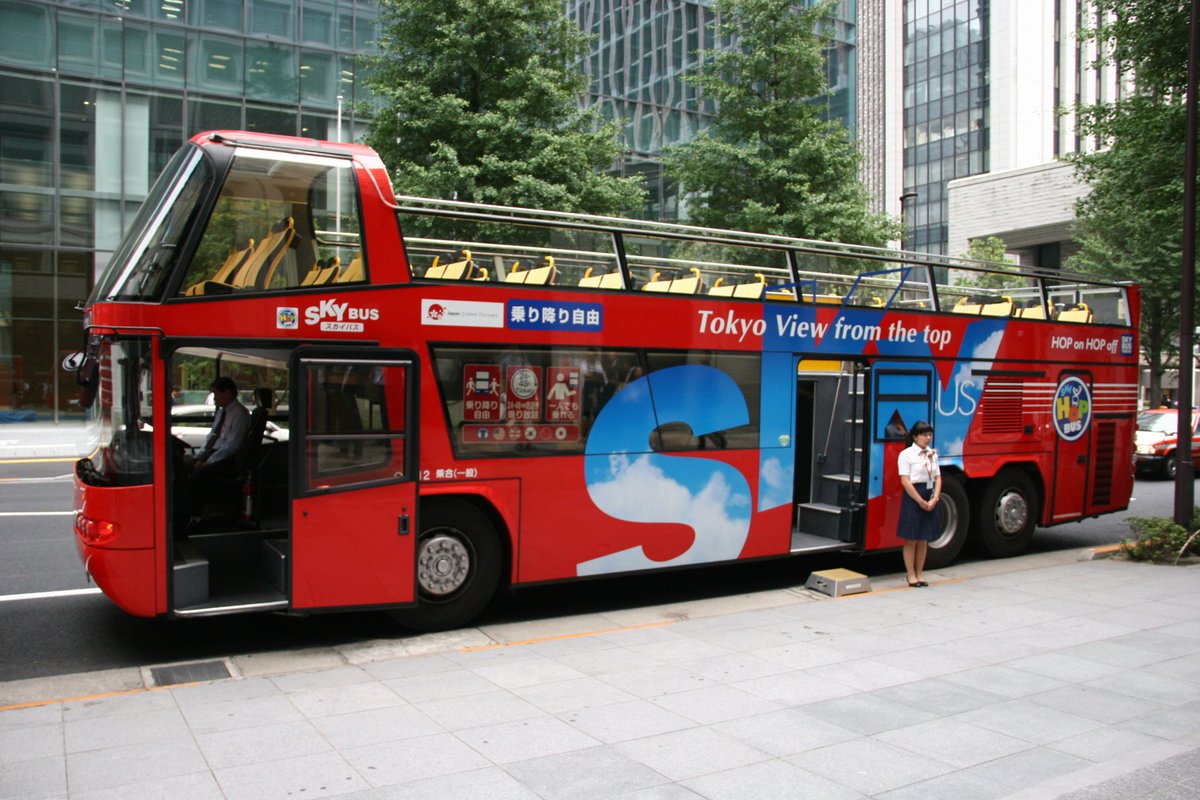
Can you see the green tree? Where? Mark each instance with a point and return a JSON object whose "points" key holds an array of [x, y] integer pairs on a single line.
{"points": [[769, 162], [992, 249], [479, 101], [1129, 226]]}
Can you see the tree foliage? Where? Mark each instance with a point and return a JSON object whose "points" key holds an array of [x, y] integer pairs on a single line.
{"points": [[479, 101], [1130, 225], [992, 249], [769, 162]]}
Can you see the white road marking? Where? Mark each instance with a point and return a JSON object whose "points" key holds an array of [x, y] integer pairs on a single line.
{"points": [[37, 513], [48, 595]]}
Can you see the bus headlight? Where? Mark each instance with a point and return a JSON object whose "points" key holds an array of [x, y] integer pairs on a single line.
{"points": [[94, 532]]}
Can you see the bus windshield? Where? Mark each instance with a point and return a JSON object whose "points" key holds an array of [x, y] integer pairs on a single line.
{"points": [[152, 244]]}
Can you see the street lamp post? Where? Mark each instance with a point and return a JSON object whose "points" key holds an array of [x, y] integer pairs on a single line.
{"points": [[904, 198]]}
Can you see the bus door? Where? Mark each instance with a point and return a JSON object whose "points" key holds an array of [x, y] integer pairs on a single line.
{"points": [[354, 477], [829, 453], [1072, 417], [902, 394]]}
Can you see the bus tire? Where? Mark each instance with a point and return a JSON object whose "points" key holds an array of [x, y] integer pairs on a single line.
{"points": [[956, 517], [1008, 514], [458, 567]]}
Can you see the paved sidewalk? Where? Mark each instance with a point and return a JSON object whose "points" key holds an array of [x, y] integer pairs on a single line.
{"points": [[1035, 677]]}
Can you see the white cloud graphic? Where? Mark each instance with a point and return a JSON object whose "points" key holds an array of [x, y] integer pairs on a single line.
{"points": [[641, 492], [774, 483]]}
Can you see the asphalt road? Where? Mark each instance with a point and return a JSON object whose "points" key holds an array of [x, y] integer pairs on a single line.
{"points": [[56, 635]]}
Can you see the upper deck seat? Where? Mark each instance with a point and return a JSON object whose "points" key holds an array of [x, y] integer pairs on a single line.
{"points": [[544, 274], [1076, 312], [605, 280], [461, 270], [752, 290], [323, 272], [233, 262], [354, 271]]}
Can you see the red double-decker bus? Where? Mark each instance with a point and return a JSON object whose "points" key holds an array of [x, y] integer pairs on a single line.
{"points": [[452, 397]]}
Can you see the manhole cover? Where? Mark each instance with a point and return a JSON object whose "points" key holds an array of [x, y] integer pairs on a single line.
{"points": [[189, 673]]}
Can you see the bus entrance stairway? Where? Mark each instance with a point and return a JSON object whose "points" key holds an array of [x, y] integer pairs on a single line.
{"points": [[828, 518], [230, 572]]}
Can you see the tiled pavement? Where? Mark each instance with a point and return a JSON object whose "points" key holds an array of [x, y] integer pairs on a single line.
{"points": [[1036, 677]]}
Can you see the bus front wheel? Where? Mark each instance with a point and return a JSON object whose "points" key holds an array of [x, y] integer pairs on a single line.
{"points": [[458, 567], [1007, 514], [956, 516]]}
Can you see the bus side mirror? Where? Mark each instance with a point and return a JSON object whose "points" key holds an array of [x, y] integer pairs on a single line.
{"points": [[87, 374]]}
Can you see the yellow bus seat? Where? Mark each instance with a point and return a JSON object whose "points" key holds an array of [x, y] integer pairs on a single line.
{"points": [[1001, 308], [354, 272], [721, 289], [266, 257], [606, 280], [754, 290], [482, 275], [657, 284], [454, 271], [692, 284], [323, 272], [236, 258], [1037, 311], [1079, 312], [788, 295], [967, 305], [515, 274]]}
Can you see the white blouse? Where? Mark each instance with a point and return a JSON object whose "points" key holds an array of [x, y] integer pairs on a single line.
{"points": [[919, 464]]}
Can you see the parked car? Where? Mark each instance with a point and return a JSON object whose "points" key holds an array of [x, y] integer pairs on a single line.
{"points": [[1156, 439], [191, 424]]}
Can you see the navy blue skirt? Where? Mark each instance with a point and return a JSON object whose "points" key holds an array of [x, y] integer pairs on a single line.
{"points": [[915, 522]]}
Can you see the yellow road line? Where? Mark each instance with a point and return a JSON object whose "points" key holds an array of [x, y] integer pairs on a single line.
{"points": [[564, 636], [86, 697], [47, 460]]}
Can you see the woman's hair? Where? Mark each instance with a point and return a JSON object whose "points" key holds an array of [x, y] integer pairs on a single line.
{"points": [[920, 427]]}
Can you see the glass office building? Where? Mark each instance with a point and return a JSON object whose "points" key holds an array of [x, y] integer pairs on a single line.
{"points": [[641, 51], [946, 111], [95, 95]]}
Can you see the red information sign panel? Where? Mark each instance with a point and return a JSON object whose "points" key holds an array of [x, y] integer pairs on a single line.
{"points": [[523, 394], [481, 393], [563, 385]]}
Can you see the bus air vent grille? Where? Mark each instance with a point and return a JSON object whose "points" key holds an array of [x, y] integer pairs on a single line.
{"points": [[1102, 477], [1000, 408]]}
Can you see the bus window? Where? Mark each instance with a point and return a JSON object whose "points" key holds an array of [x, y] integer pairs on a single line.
{"points": [[990, 291], [448, 248], [503, 400], [119, 418], [355, 423], [745, 371], [148, 253], [280, 225]]}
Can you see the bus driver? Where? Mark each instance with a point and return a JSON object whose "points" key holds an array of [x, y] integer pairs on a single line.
{"points": [[217, 460]]}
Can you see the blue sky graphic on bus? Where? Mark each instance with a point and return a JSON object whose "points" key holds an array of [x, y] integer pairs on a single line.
{"points": [[628, 481]]}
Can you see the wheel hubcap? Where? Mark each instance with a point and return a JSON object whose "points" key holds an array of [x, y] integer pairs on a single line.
{"points": [[443, 565], [1012, 513]]}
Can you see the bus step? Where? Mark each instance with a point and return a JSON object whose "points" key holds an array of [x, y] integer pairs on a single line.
{"points": [[825, 520], [808, 543], [839, 477]]}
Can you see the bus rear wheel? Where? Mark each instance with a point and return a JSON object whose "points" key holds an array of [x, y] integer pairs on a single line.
{"points": [[458, 567], [1007, 514], [956, 516]]}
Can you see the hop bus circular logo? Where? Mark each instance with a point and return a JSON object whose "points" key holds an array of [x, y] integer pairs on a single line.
{"points": [[436, 311], [1072, 408]]}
